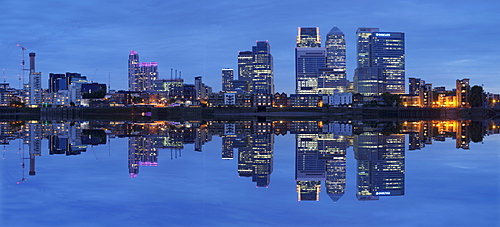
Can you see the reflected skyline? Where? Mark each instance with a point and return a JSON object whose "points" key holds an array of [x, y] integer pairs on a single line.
{"points": [[320, 148]]}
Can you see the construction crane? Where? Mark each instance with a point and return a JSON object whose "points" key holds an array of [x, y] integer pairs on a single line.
{"points": [[95, 72], [22, 62]]}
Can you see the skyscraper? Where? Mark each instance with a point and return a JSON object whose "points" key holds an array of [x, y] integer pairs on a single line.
{"points": [[308, 61], [320, 70], [245, 66], [309, 58], [363, 36], [141, 75], [335, 49], [381, 62], [308, 37], [35, 84], [262, 67], [333, 78]]}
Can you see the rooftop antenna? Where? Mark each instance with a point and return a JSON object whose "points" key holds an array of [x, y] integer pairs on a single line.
{"points": [[176, 74], [3, 70], [109, 81], [180, 74], [171, 73]]}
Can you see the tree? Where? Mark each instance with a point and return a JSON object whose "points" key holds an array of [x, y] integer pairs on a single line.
{"points": [[391, 99], [137, 99], [476, 96], [99, 94], [16, 104]]}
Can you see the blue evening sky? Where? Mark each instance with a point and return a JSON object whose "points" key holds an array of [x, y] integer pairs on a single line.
{"points": [[445, 40]]}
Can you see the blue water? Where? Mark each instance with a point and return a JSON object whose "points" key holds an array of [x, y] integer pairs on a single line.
{"points": [[443, 186]]}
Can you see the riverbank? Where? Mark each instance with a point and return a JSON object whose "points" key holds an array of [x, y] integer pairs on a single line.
{"points": [[235, 113]]}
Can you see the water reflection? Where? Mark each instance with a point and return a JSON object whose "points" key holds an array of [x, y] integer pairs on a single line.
{"points": [[320, 147]]}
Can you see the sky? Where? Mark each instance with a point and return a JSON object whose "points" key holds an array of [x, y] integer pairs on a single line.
{"points": [[445, 40]]}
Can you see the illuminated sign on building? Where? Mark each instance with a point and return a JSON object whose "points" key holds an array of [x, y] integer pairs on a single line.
{"points": [[383, 34], [382, 193]]}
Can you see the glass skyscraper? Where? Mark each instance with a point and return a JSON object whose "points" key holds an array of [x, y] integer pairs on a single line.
{"points": [[381, 62], [335, 49], [333, 78], [262, 69], [308, 61], [308, 37], [245, 66], [320, 70]]}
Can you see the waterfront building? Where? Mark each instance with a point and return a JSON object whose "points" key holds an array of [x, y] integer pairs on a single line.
{"points": [[63, 81], [256, 68], [202, 91], [263, 72], [338, 99], [245, 67], [462, 93], [381, 62], [170, 88], [306, 100], [336, 49], [141, 75], [227, 79], [8, 94], [308, 61], [320, 70], [34, 84]]}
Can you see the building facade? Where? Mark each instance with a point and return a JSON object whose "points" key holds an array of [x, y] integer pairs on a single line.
{"points": [[263, 72], [141, 76], [381, 62]]}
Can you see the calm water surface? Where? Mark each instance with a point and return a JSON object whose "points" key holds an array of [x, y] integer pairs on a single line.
{"points": [[250, 174]]}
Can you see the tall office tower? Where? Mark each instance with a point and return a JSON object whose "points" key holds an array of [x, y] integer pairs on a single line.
{"points": [[141, 76], [309, 58], [333, 77], [245, 66], [308, 62], [262, 75], [308, 37], [381, 165], [363, 36], [381, 64], [227, 79], [335, 49], [388, 53]]}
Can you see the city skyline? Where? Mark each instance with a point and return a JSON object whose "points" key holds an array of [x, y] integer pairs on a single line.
{"points": [[95, 40]]}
